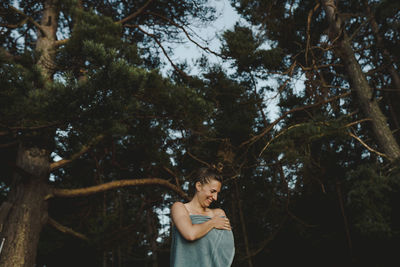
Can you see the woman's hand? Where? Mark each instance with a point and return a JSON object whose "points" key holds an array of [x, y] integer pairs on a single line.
{"points": [[221, 222]]}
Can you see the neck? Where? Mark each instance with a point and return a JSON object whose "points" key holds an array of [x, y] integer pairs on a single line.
{"points": [[196, 206]]}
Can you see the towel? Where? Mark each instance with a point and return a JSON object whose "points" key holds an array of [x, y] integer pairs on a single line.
{"points": [[215, 249]]}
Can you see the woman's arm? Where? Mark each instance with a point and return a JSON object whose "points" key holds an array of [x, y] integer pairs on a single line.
{"points": [[181, 219]]}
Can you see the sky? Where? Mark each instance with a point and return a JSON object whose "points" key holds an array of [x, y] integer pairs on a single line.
{"points": [[226, 19]]}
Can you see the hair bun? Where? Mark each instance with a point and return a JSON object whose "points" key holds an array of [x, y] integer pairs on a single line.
{"points": [[218, 168]]}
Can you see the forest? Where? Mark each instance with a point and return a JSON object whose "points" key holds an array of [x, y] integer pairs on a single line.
{"points": [[97, 141]]}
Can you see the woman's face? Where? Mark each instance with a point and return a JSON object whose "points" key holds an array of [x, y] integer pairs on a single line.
{"points": [[207, 193]]}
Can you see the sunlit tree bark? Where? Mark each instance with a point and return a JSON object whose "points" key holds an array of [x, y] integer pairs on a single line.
{"points": [[357, 79]]}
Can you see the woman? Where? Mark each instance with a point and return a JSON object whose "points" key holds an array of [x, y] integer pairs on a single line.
{"points": [[201, 236]]}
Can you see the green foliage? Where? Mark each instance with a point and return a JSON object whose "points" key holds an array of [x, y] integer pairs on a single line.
{"points": [[106, 94], [236, 113], [245, 49], [369, 202], [332, 188], [22, 86], [306, 188]]}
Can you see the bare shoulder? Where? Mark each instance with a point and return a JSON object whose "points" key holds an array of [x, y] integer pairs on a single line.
{"points": [[179, 212], [178, 208], [219, 212], [177, 204]]}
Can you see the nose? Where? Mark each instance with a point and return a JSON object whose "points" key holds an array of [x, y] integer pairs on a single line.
{"points": [[215, 197]]}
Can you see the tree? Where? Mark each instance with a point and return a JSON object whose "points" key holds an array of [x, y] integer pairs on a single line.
{"points": [[309, 24], [75, 75], [323, 132], [359, 82]]}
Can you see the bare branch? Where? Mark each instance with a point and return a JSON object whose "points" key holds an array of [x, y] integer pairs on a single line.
{"points": [[197, 159], [173, 174], [37, 25], [12, 130], [66, 230], [161, 46], [14, 26], [186, 33], [366, 146], [279, 134], [356, 31], [356, 122], [59, 43], [300, 124], [320, 67], [135, 14], [308, 29], [69, 193], [61, 163], [257, 137]]}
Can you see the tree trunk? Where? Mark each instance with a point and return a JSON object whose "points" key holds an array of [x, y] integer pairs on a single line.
{"points": [[369, 106], [25, 211], [345, 221], [243, 224], [360, 85], [45, 43], [388, 61]]}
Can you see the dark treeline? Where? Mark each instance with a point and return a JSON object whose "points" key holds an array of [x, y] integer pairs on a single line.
{"points": [[96, 144]]}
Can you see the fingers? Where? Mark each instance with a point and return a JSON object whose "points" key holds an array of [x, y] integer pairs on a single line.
{"points": [[222, 223], [227, 224]]}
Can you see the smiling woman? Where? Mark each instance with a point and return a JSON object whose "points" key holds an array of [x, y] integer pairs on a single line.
{"points": [[201, 236]]}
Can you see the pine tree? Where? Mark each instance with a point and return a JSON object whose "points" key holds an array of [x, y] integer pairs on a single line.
{"points": [[78, 77], [335, 124]]}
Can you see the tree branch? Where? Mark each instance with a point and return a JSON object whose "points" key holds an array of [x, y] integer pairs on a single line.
{"points": [[66, 230], [37, 25], [356, 122], [366, 146], [6, 55], [310, 13], [162, 48], [197, 159], [69, 193], [61, 163], [186, 33], [135, 14], [11, 130], [59, 43], [173, 174], [257, 137], [14, 26], [279, 134]]}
